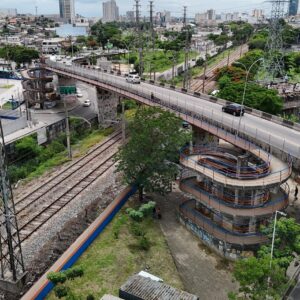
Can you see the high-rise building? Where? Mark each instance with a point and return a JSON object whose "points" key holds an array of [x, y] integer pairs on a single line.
{"points": [[67, 10], [211, 14], [258, 13], [130, 16], [293, 7], [110, 11]]}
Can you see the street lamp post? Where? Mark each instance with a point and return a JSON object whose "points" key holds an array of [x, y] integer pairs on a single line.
{"points": [[128, 52], [273, 240], [246, 82], [274, 233]]}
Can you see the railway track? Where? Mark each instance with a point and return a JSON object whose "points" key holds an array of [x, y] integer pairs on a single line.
{"points": [[197, 84], [39, 206]]}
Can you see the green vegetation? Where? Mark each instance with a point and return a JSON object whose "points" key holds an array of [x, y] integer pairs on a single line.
{"points": [[18, 54], [6, 105], [231, 82], [159, 60], [31, 160], [155, 139], [255, 276], [199, 69], [124, 248], [6, 86]]}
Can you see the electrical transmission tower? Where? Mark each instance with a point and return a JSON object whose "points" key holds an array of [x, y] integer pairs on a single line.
{"points": [[274, 65], [140, 37], [186, 79], [11, 259]]}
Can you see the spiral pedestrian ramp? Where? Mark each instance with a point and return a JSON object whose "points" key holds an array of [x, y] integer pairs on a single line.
{"points": [[231, 193]]}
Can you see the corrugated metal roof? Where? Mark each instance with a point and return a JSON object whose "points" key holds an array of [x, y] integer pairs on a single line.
{"points": [[144, 288]]}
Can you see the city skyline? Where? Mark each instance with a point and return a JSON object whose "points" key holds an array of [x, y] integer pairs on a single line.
{"points": [[93, 8]]}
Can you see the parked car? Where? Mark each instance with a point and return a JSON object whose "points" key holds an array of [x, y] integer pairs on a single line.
{"points": [[133, 78], [234, 109], [87, 103], [79, 95]]}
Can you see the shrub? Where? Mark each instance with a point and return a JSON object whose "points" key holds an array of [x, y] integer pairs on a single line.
{"points": [[57, 277], [144, 243], [74, 272], [136, 229], [147, 208], [135, 214], [61, 291], [90, 297]]}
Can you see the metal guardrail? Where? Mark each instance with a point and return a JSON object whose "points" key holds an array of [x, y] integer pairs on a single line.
{"points": [[267, 207]]}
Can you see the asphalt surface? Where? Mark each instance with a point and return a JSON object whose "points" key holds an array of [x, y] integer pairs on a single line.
{"points": [[276, 135]]}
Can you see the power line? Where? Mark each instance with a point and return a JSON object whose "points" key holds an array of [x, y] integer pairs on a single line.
{"points": [[139, 34], [186, 79]]}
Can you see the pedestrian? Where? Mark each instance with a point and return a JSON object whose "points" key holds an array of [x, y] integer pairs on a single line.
{"points": [[296, 192], [158, 213], [154, 213]]}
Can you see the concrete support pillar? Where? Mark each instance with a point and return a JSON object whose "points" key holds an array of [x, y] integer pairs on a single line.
{"points": [[236, 196], [201, 137], [107, 105], [242, 162], [252, 224]]}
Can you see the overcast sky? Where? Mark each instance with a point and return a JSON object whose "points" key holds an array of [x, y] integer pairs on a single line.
{"points": [[93, 8]]}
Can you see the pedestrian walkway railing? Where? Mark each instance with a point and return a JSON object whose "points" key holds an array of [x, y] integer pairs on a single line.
{"points": [[268, 205], [240, 236]]}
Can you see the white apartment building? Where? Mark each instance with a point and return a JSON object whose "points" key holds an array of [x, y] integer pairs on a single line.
{"points": [[110, 11]]}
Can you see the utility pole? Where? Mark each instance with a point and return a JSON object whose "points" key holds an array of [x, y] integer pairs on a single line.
{"points": [[152, 35], [123, 123], [11, 260], [187, 48], [68, 135], [139, 33], [228, 58], [205, 67]]}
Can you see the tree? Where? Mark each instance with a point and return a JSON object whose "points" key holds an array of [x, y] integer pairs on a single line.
{"points": [[287, 241], [155, 139], [257, 280], [255, 276]]}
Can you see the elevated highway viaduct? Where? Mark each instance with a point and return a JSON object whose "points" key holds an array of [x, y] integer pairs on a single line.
{"points": [[271, 133]]}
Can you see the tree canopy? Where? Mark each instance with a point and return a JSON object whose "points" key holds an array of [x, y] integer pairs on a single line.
{"points": [[156, 137], [18, 54], [256, 278]]}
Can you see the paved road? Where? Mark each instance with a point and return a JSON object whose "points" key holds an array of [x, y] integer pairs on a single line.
{"points": [[263, 130]]}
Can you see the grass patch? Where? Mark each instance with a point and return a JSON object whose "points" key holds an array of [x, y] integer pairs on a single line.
{"points": [[95, 137], [6, 86], [116, 254], [198, 70], [159, 60], [7, 106]]}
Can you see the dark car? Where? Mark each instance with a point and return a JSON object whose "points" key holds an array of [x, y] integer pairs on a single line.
{"points": [[234, 109]]}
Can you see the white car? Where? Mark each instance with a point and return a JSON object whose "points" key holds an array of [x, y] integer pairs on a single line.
{"points": [[133, 78], [87, 103], [79, 95]]}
